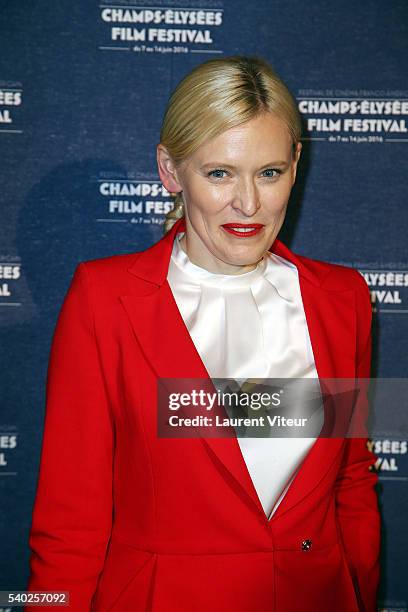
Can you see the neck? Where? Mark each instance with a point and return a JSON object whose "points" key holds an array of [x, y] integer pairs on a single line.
{"points": [[212, 264]]}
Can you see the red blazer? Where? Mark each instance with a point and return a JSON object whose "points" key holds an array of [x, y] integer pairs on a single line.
{"points": [[127, 521]]}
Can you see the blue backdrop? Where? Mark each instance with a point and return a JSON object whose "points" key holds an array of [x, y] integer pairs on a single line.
{"points": [[83, 88]]}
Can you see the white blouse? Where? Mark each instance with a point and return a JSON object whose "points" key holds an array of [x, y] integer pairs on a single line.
{"points": [[250, 325]]}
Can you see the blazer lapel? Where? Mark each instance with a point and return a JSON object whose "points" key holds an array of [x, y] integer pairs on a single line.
{"points": [[330, 316], [167, 344]]}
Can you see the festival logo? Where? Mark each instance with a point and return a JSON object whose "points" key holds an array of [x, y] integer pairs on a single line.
{"points": [[8, 445], [354, 116], [161, 29], [133, 199], [391, 458], [11, 99], [388, 289], [10, 273]]}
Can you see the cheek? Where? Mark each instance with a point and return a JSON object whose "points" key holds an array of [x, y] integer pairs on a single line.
{"points": [[275, 199], [207, 200]]}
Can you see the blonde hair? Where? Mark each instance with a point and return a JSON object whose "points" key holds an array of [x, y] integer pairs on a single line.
{"points": [[217, 95]]}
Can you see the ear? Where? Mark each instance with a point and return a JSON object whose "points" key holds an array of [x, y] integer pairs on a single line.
{"points": [[295, 161], [167, 170]]}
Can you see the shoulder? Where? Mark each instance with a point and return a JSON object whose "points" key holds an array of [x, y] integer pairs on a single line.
{"points": [[335, 276], [340, 278], [105, 265], [330, 276], [105, 275], [118, 262]]}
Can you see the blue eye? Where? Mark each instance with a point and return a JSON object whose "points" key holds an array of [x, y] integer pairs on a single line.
{"points": [[218, 171], [273, 170], [211, 173]]}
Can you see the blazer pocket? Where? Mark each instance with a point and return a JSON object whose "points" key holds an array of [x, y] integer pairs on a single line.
{"points": [[125, 580], [312, 580]]}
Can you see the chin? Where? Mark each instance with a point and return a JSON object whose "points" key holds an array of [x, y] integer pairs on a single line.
{"points": [[244, 259], [248, 252]]}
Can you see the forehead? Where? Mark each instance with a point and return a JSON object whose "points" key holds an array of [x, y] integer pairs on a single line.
{"points": [[265, 135]]}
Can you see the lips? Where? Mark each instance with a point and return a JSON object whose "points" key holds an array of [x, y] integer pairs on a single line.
{"points": [[243, 230]]}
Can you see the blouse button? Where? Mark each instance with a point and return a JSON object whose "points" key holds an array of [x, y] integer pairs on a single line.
{"points": [[306, 544]]}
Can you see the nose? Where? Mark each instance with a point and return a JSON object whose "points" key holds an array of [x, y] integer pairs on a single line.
{"points": [[246, 200]]}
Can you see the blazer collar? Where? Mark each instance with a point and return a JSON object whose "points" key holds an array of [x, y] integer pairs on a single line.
{"points": [[152, 264]]}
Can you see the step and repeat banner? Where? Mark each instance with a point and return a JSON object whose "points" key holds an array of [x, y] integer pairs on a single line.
{"points": [[83, 89]]}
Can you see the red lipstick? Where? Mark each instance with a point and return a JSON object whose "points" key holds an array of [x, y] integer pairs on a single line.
{"points": [[243, 230]]}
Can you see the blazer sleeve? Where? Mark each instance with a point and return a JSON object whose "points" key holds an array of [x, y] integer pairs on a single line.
{"points": [[356, 496], [72, 513]]}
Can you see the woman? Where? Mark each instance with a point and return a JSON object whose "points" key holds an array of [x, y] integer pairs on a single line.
{"points": [[125, 519]]}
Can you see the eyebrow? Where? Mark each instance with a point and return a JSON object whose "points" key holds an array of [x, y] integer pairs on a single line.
{"points": [[221, 164]]}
